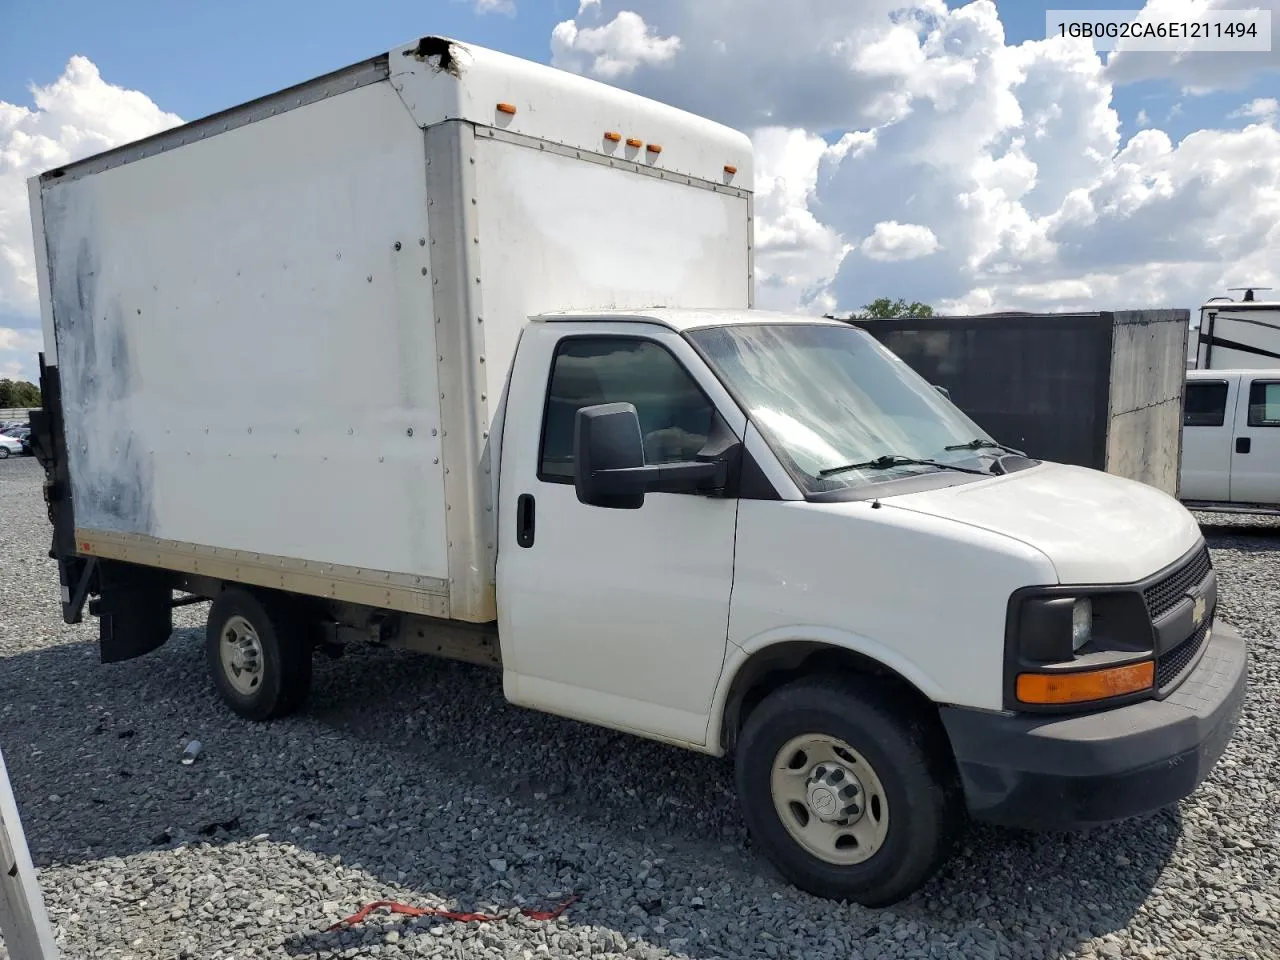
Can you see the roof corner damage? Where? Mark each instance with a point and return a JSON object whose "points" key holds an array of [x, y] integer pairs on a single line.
{"points": [[442, 51]]}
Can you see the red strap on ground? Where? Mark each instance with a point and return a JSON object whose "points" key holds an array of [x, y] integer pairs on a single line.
{"points": [[393, 907]]}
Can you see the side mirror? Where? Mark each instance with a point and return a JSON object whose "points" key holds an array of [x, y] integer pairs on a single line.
{"points": [[943, 390], [609, 469], [608, 451]]}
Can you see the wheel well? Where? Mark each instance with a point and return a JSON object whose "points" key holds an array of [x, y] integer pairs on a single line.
{"points": [[301, 606], [778, 665]]}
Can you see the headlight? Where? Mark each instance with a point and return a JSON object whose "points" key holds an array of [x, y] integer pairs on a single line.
{"points": [[1066, 647], [1052, 629], [1081, 624]]}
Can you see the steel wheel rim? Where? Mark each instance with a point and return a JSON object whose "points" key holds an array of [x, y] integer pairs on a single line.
{"points": [[829, 799], [240, 651]]}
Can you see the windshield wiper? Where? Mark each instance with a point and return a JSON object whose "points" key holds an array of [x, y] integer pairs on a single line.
{"points": [[981, 444], [894, 460]]}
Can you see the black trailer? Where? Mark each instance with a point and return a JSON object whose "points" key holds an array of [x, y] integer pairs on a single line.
{"points": [[1101, 390]]}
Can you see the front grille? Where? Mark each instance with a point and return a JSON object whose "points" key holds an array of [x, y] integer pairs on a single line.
{"points": [[1163, 596], [1171, 664]]}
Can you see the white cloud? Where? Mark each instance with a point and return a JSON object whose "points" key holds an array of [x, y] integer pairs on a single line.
{"points": [[613, 50], [496, 6], [77, 115], [11, 339], [756, 63], [795, 254], [1201, 71], [18, 350], [891, 240], [1143, 119], [882, 138], [1265, 109]]}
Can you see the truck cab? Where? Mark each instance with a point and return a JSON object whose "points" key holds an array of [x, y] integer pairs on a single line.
{"points": [[1231, 440], [766, 535]]}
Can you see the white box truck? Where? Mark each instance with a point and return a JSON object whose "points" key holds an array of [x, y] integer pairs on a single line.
{"points": [[457, 352]]}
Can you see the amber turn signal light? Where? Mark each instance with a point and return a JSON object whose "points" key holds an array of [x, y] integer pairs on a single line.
{"points": [[1059, 688]]}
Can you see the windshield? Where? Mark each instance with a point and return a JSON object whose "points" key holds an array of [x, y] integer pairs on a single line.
{"points": [[827, 396]]}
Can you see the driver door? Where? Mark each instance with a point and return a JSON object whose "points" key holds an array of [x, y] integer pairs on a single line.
{"points": [[615, 616]]}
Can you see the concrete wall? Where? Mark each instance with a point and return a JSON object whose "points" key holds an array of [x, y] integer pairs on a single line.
{"points": [[1148, 369]]}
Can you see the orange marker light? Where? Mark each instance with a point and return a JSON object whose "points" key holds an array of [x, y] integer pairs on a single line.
{"points": [[506, 108], [1089, 685], [633, 142], [654, 148], [612, 137], [730, 169]]}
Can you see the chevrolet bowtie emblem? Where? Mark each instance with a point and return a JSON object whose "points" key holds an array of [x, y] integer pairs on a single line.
{"points": [[1197, 612]]}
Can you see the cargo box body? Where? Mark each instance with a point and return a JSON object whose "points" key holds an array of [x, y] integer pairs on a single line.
{"points": [[281, 333], [1100, 390]]}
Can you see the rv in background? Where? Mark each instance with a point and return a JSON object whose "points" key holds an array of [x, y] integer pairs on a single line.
{"points": [[1238, 334]]}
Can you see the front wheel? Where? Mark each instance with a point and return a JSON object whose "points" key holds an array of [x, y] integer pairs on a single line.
{"points": [[258, 654], [848, 795], [4, 453]]}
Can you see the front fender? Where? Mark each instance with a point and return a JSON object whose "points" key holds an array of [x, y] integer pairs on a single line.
{"points": [[737, 657]]}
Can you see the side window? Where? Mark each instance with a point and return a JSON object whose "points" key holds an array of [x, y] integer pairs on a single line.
{"points": [[1204, 404], [675, 415], [1264, 403]]}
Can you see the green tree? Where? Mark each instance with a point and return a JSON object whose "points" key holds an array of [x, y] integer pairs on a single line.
{"points": [[883, 308], [18, 393]]}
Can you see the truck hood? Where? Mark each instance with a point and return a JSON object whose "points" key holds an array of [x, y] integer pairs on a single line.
{"points": [[1094, 527]]}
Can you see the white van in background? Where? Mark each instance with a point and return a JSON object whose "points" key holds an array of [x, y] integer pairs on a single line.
{"points": [[1231, 441]]}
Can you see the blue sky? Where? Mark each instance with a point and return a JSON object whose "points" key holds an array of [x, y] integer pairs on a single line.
{"points": [[972, 170], [197, 58]]}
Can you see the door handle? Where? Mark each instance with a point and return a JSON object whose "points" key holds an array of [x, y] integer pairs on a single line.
{"points": [[524, 520], [1243, 444]]}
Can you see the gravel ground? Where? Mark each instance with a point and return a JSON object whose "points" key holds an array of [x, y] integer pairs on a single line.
{"points": [[411, 779]]}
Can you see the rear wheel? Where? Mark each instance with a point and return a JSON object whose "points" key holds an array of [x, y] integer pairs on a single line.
{"points": [[4, 453], [851, 797], [258, 654]]}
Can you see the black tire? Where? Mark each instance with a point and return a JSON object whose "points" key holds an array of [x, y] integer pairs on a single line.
{"points": [[4, 453], [286, 654], [910, 759]]}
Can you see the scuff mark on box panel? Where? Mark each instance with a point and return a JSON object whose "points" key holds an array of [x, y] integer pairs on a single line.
{"points": [[111, 472]]}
